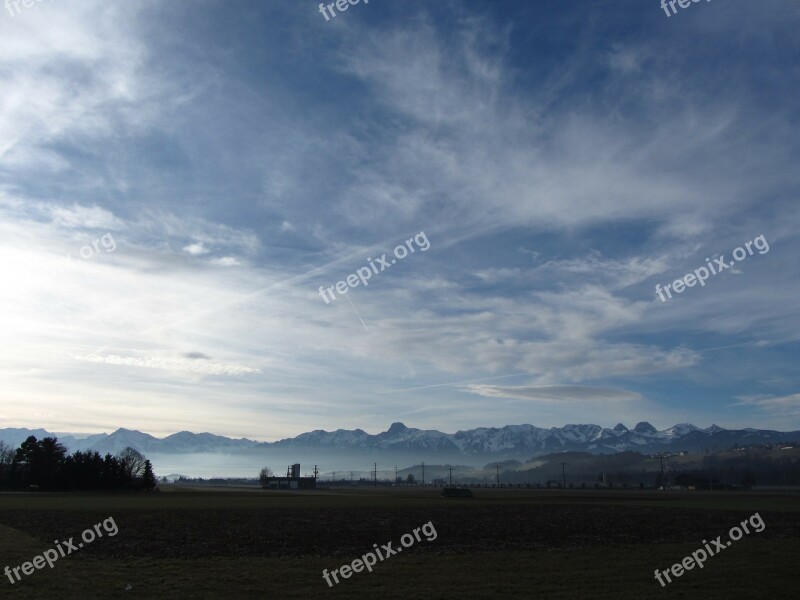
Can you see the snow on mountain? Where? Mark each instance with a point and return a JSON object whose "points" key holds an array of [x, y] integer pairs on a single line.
{"points": [[341, 438], [494, 440], [511, 441], [644, 428], [619, 429], [679, 430]]}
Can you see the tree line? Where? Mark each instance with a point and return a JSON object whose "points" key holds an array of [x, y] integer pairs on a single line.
{"points": [[44, 464]]}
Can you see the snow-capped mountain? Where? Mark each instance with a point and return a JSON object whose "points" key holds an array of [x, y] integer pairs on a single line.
{"points": [[514, 441], [493, 443]]}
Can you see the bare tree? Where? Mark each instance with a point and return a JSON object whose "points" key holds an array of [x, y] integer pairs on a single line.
{"points": [[133, 462], [6, 454], [6, 459], [262, 476]]}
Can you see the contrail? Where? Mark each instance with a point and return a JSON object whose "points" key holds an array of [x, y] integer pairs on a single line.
{"points": [[422, 387], [358, 315]]}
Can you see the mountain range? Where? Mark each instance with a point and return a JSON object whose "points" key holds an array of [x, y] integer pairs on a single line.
{"points": [[511, 441]]}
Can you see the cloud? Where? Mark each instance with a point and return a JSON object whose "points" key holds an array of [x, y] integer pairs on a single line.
{"points": [[169, 363], [556, 191], [196, 249], [782, 406], [626, 59], [92, 217], [557, 393], [226, 261]]}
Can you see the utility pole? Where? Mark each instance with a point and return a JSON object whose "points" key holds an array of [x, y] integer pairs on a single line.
{"points": [[661, 457], [333, 478], [564, 473], [316, 472], [451, 474], [375, 474], [497, 468], [423, 473]]}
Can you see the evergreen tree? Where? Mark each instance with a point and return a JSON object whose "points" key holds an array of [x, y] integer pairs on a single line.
{"points": [[148, 478]]}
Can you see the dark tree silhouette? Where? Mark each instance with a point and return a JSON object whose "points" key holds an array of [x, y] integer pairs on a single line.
{"points": [[133, 463], [148, 477], [262, 476], [39, 462], [6, 460], [45, 464]]}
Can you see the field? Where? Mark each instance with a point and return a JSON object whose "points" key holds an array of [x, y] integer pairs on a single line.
{"points": [[206, 543]]}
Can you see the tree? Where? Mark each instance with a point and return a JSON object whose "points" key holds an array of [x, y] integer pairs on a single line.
{"points": [[6, 454], [27, 462], [410, 479], [40, 463], [148, 477], [53, 454], [263, 475], [133, 463], [6, 460]]}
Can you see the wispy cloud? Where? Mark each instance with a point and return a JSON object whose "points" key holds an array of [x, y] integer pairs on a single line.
{"points": [[170, 363], [560, 174], [196, 249], [557, 393], [783, 406]]}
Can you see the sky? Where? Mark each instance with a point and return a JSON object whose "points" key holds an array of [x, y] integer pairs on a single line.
{"points": [[179, 179]]}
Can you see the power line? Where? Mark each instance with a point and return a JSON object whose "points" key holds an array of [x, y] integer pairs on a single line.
{"points": [[564, 473], [661, 458]]}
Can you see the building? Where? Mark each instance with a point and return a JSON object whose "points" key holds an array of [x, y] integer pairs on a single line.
{"points": [[292, 480]]}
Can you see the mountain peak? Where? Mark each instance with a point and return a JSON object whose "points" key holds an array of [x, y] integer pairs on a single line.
{"points": [[620, 428], [681, 429], [644, 427], [397, 428]]}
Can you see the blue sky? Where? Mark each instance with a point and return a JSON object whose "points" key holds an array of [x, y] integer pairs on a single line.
{"points": [[562, 158]]}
